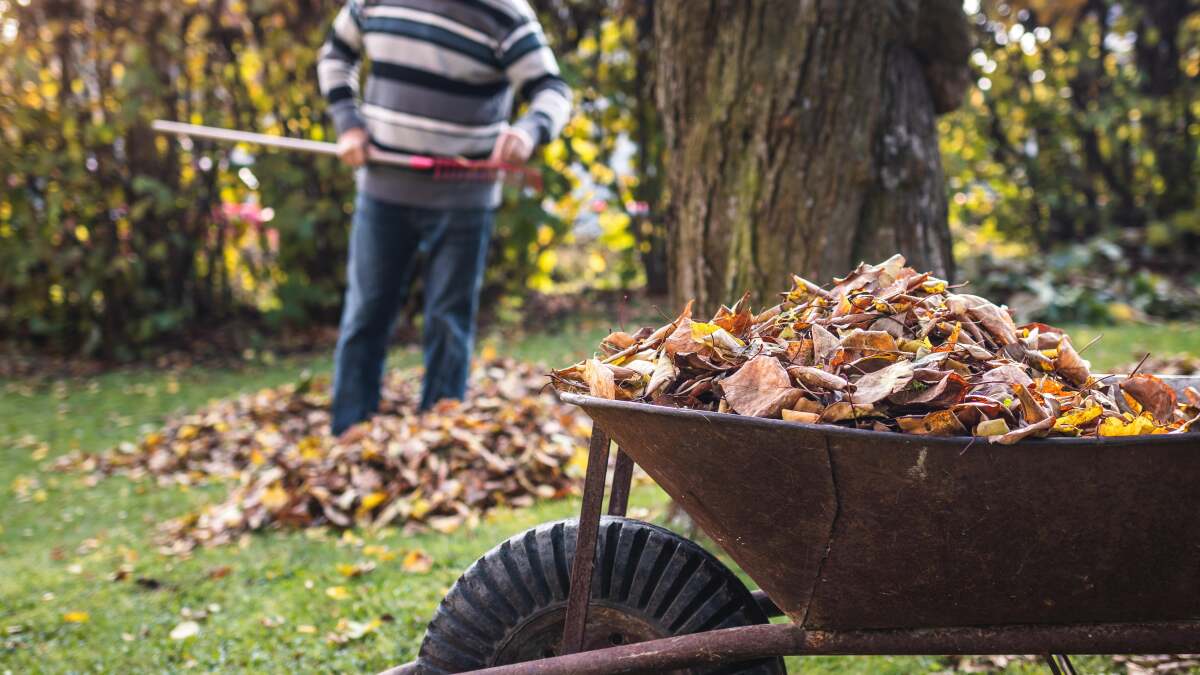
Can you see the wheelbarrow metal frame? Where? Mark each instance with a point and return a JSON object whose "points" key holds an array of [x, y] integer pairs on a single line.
{"points": [[794, 639]]}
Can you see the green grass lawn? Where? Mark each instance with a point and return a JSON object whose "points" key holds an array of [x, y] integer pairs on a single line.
{"points": [[73, 551]]}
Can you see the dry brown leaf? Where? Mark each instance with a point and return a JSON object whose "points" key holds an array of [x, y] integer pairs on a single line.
{"points": [[881, 384], [945, 392], [1072, 366], [939, 423], [760, 388], [1154, 395], [867, 342], [824, 343], [599, 380], [845, 410], [1031, 410], [817, 378], [995, 320], [618, 340]]}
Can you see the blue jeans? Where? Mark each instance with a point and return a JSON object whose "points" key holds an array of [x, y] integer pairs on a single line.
{"points": [[384, 243]]}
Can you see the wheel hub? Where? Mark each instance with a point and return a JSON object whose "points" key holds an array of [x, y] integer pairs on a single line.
{"points": [[607, 626]]}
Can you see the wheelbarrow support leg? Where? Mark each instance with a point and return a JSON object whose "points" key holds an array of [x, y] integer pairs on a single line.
{"points": [[618, 495], [585, 545], [1060, 664]]}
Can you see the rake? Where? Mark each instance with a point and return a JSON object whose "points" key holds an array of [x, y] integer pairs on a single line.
{"points": [[442, 168]]}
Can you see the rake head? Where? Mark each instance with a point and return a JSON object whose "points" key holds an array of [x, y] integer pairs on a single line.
{"points": [[484, 171]]}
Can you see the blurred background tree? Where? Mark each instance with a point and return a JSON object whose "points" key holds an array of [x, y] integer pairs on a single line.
{"points": [[1070, 168]]}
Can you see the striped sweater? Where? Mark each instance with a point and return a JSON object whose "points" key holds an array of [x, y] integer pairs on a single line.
{"points": [[441, 82]]}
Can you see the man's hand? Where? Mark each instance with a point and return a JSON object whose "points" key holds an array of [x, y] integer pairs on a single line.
{"points": [[352, 147], [513, 146]]}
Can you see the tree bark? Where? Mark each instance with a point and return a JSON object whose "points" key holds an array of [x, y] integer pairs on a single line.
{"points": [[801, 138]]}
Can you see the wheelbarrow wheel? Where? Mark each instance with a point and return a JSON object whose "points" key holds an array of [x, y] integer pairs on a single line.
{"points": [[649, 583]]}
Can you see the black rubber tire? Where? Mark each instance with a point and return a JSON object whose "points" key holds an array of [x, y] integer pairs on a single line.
{"points": [[649, 582]]}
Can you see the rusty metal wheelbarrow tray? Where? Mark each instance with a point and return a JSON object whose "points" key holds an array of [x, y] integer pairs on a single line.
{"points": [[851, 530]]}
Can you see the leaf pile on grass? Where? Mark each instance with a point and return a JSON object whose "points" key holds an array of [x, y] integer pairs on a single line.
{"points": [[509, 443], [886, 348]]}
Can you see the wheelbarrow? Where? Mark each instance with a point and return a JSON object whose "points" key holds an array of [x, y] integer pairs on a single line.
{"points": [[867, 542]]}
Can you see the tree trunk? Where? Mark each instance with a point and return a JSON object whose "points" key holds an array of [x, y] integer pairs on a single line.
{"points": [[649, 227], [801, 138]]}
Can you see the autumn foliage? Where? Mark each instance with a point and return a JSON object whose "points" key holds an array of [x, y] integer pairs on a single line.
{"points": [[885, 348], [509, 444]]}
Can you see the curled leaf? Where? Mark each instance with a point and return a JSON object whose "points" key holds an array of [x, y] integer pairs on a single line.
{"points": [[600, 381], [817, 378], [1155, 396], [1036, 429], [798, 416], [1071, 365]]}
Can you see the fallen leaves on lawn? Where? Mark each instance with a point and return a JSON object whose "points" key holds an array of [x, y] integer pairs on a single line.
{"points": [[510, 443], [218, 572], [886, 348], [185, 630], [417, 561], [348, 630], [356, 569]]}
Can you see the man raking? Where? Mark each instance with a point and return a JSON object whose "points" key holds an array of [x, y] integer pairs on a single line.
{"points": [[442, 81]]}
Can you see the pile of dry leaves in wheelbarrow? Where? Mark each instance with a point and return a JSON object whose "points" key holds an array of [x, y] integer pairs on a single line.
{"points": [[886, 348], [509, 443]]}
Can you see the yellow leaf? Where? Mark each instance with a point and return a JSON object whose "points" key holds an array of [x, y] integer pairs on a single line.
{"points": [[417, 562], [185, 630], [584, 149], [275, 497], [420, 508], [1116, 426], [338, 592], [379, 552], [370, 501], [577, 467], [356, 569], [1072, 421], [1132, 403], [310, 448], [488, 353], [306, 629], [187, 432], [713, 335], [76, 617], [934, 286]]}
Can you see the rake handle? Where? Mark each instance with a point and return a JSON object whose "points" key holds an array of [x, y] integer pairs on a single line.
{"points": [[408, 161]]}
